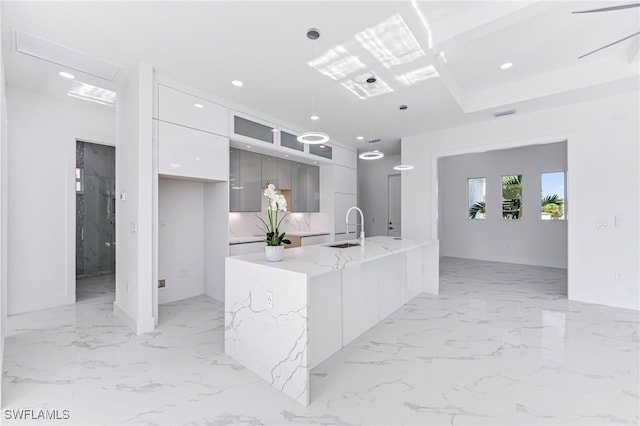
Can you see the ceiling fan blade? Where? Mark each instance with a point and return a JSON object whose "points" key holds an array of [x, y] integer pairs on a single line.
{"points": [[610, 44], [610, 8]]}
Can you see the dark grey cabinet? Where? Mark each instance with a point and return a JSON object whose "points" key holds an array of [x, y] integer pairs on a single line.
{"points": [[305, 188], [245, 181], [298, 187], [284, 174], [313, 189], [270, 171], [249, 172]]}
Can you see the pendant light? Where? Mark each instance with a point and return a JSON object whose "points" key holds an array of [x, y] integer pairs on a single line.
{"points": [[371, 154], [315, 136], [400, 166]]}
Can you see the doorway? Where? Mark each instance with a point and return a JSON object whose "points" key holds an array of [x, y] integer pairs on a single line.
{"points": [[95, 221], [394, 228]]}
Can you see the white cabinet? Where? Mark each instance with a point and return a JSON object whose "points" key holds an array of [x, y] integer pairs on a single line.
{"points": [[359, 300], [343, 203], [346, 180], [313, 240], [187, 110], [190, 153], [245, 248], [344, 157]]}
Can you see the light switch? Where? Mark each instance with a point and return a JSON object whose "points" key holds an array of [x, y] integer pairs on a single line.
{"points": [[602, 224], [618, 221]]}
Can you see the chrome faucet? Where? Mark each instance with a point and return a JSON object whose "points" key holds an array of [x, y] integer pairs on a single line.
{"points": [[361, 224]]}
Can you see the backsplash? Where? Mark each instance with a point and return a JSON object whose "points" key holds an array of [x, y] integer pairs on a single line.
{"points": [[246, 224]]}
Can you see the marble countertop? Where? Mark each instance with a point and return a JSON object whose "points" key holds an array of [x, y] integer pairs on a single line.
{"points": [[258, 238], [320, 259]]}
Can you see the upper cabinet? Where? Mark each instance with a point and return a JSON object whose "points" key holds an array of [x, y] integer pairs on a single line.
{"points": [[290, 141], [321, 150], [284, 174], [305, 188], [250, 129], [184, 109], [190, 153], [245, 181], [250, 171]]}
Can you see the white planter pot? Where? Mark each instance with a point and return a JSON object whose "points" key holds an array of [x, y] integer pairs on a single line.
{"points": [[274, 253]]}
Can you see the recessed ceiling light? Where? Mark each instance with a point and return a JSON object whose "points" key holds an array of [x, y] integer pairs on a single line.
{"points": [[197, 158], [322, 146], [274, 130], [286, 155], [237, 83], [315, 162], [198, 106], [174, 165], [314, 117], [506, 66], [66, 75], [249, 146], [360, 138]]}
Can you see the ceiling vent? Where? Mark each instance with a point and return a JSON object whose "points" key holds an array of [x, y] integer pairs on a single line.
{"points": [[46, 50], [503, 113]]}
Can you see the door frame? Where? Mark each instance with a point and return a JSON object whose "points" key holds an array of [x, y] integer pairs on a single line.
{"points": [[389, 176], [71, 216]]}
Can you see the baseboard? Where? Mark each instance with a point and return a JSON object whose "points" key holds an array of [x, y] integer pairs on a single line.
{"points": [[140, 326]]}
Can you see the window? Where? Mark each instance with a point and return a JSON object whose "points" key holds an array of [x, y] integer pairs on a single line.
{"points": [[476, 197], [553, 195], [512, 197]]}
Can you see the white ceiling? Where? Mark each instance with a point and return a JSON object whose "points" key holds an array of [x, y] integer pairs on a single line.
{"points": [[263, 43]]}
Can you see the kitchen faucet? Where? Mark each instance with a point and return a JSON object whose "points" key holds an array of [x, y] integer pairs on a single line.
{"points": [[361, 223]]}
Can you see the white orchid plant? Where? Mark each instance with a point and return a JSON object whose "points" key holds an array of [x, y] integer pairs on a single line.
{"points": [[277, 203]]}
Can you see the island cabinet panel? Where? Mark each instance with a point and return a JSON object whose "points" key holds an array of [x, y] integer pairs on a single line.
{"points": [[325, 319], [359, 300], [284, 318], [391, 283]]}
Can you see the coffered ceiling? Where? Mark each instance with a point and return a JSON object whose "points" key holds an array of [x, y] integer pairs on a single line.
{"points": [[442, 59]]}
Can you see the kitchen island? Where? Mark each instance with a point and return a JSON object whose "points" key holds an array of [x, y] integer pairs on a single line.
{"points": [[284, 318]]}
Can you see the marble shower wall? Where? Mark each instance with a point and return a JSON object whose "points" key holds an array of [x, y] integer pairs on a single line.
{"points": [[95, 214]]}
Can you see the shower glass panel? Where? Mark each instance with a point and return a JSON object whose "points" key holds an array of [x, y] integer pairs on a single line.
{"points": [[95, 211]]}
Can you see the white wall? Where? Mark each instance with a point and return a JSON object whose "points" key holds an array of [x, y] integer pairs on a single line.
{"points": [[216, 241], [531, 240], [373, 181], [180, 239], [603, 155], [42, 133], [134, 211], [3, 207]]}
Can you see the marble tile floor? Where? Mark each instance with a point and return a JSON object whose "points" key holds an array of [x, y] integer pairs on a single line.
{"points": [[96, 287], [501, 345]]}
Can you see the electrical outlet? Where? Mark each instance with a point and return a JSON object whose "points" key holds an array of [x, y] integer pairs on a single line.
{"points": [[619, 276], [269, 299], [162, 283]]}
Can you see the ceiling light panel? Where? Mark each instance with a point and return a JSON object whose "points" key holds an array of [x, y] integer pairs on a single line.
{"points": [[46, 50], [391, 42], [88, 92], [337, 63]]}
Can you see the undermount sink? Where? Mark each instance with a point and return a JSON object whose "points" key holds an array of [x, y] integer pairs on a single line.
{"points": [[344, 245]]}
